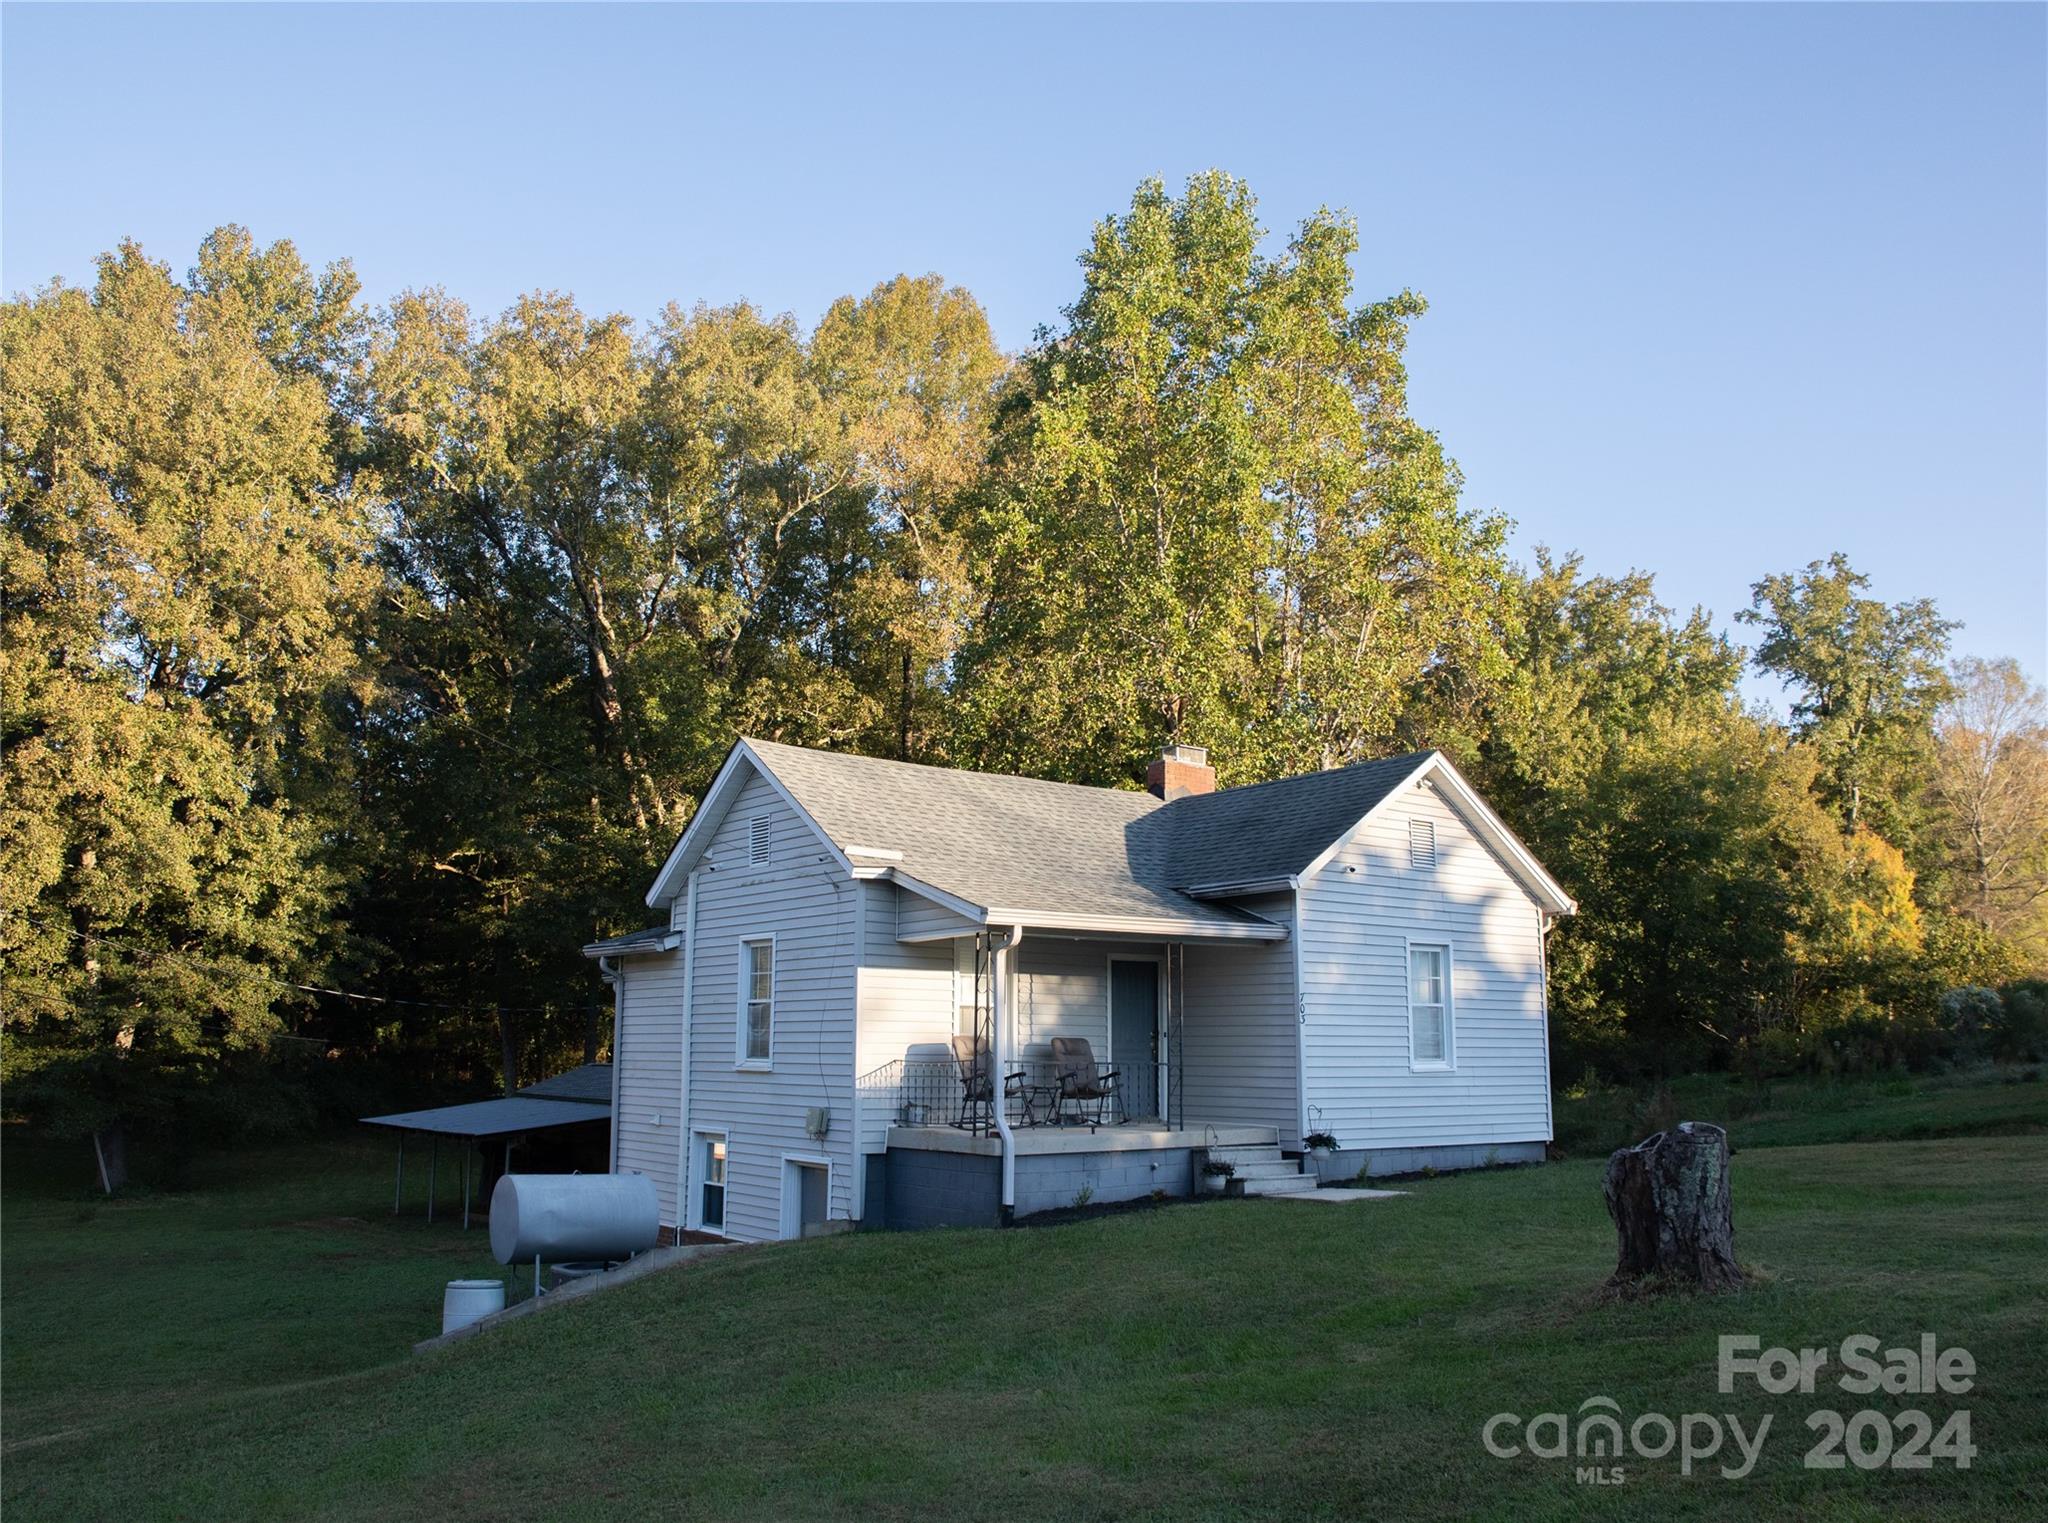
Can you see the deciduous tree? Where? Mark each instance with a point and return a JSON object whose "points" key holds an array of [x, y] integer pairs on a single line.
{"points": [[186, 580], [1866, 678], [1990, 790]]}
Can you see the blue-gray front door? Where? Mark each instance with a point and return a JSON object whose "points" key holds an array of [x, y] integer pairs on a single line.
{"points": [[1134, 1034]]}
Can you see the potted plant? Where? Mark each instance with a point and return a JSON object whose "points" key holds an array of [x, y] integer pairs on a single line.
{"points": [[1317, 1150], [1217, 1176]]}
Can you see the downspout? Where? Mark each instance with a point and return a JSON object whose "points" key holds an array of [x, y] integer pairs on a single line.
{"points": [[860, 953], [689, 1021], [1544, 921], [1000, 950], [1300, 1018], [609, 972]]}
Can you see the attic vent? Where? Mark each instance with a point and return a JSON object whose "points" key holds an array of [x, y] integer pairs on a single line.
{"points": [[757, 840], [1422, 843]]}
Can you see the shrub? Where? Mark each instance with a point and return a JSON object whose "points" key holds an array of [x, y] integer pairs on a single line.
{"points": [[1969, 1015], [2020, 1032], [1657, 1111]]}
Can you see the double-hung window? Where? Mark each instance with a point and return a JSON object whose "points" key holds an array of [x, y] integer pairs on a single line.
{"points": [[757, 1002], [1429, 1006]]}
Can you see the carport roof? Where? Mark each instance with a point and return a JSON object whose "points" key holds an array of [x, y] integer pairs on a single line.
{"points": [[494, 1118]]}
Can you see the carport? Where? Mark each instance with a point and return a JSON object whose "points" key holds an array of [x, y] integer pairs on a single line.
{"points": [[480, 1121]]}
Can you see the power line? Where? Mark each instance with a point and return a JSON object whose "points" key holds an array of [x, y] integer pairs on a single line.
{"points": [[287, 983]]}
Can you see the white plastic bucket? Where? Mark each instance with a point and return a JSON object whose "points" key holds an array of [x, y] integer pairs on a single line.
{"points": [[465, 1301]]}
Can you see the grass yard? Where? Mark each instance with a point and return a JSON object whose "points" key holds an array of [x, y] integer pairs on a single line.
{"points": [[1985, 1101], [240, 1352]]}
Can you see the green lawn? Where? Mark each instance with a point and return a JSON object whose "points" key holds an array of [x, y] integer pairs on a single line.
{"points": [[241, 1352], [1986, 1101]]}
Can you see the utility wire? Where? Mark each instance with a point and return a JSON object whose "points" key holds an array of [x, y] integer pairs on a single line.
{"points": [[287, 983]]}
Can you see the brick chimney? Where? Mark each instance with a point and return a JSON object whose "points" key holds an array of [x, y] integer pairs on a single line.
{"points": [[1180, 772]]}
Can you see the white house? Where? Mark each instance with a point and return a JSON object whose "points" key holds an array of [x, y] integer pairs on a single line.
{"points": [[1358, 951]]}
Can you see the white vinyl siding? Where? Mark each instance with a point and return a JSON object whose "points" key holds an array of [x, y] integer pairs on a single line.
{"points": [[906, 1002], [1357, 930], [1063, 990], [972, 970], [918, 918], [1238, 1030], [648, 1049], [806, 905]]}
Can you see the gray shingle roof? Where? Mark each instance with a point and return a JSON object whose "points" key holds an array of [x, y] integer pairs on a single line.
{"points": [[590, 1083], [1022, 844], [648, 939], [1013, 843], [1271, 830]]}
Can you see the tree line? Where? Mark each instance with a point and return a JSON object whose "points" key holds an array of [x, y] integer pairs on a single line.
{"points": [[360, 664]]}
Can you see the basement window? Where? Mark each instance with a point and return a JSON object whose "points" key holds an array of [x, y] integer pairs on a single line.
{"points": [[1422, 843], [711, 1199], [758, 838]]}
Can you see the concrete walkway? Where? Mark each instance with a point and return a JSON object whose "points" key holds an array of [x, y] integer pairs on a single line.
{"points": [[651, 1262], [1337, 1196]]}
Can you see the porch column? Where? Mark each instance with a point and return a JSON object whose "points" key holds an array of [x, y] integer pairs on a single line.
{"points": [[1001, 950], [1166, 1072]]}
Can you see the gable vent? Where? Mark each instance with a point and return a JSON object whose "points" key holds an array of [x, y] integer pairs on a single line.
{"points": [[1422, 843], [757, 840]]}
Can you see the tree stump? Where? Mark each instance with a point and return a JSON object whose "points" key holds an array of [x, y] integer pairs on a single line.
{"points": [[1668, 1196]]}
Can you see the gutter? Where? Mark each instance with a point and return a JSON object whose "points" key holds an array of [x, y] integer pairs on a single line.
{"points": [[1250, 928], [607, 951], [1238, 888], [610, 971]]}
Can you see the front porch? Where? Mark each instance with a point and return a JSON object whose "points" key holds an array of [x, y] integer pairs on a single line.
{"points": [[1050, 1141], [945, 1176], [1066, 1067]]}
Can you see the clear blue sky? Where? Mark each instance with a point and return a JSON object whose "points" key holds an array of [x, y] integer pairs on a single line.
{"points": [[1714, 291]]}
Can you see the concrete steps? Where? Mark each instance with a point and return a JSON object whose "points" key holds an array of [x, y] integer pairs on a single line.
{"points": [[1290, 1184], [1264, 1171]]}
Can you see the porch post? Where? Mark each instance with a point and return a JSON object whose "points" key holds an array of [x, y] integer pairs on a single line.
{"points": [[1168, 1069], [1001, 950]]}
